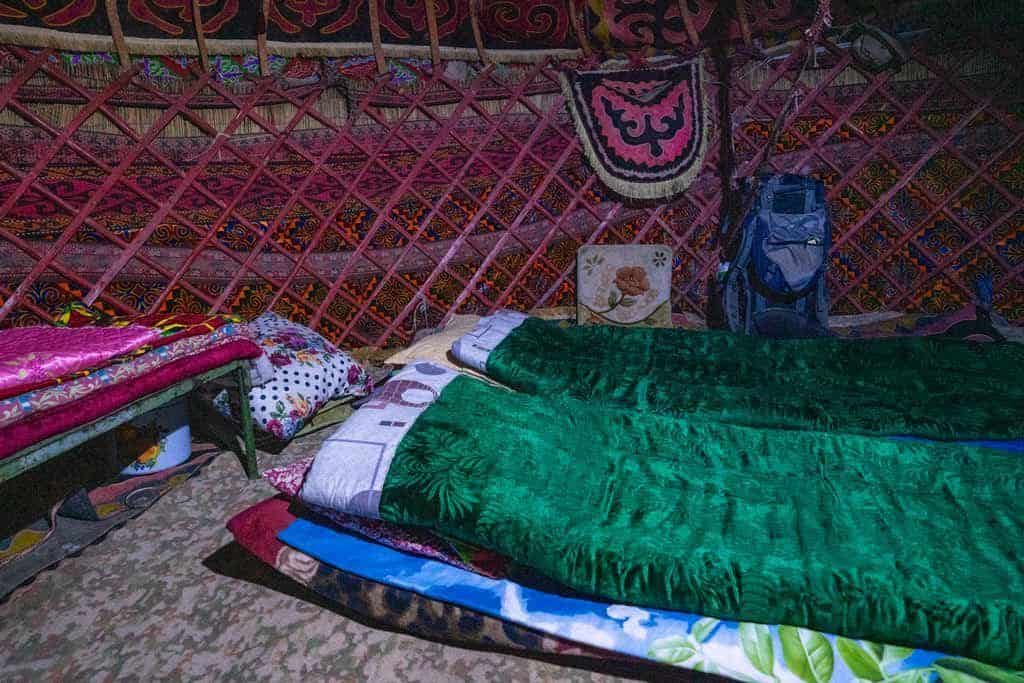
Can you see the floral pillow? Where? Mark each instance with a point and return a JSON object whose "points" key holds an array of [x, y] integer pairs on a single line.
{"points": [[308, 372]]}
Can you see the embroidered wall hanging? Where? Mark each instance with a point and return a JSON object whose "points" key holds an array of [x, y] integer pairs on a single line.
{"points": [[643, 130]]}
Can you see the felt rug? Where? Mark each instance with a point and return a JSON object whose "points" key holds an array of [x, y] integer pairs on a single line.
{"points": [[83, 518], [643, 130], [169, 596]]}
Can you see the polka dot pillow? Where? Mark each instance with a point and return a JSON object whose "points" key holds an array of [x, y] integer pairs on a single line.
{"points": [[308, 372]]}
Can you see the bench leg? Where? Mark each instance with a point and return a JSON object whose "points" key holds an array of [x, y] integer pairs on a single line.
{"points": [[245, 416]]}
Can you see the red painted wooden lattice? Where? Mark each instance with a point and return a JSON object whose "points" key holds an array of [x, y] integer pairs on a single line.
{"points": [[473, 195]]}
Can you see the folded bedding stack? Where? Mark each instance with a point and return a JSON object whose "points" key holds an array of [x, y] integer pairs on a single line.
{"points": [[56, 378], [722, 503]]}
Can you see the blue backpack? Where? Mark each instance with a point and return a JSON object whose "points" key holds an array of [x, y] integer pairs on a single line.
{"points": [[775, 286]]}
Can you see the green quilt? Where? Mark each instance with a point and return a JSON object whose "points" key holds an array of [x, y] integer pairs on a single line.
{"points": [[933, 388], [904, 542]]}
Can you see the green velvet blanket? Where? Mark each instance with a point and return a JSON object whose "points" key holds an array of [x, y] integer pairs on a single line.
{"points": [[926, 387], [896, 541]]}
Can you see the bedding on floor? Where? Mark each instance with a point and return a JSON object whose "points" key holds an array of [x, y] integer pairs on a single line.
{"points": [[927, 387], [288, 480], [45, 423], [256, 529], [897, 541], [739, 650]]}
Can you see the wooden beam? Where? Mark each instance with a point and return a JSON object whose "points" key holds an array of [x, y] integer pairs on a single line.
{"points": [[117, 33], [378, 49], [197, 23], [435, 41], [261, 37], [478, 38]]}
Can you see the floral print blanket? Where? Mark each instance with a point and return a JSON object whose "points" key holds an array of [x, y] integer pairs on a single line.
{"points": [[757, 653]]}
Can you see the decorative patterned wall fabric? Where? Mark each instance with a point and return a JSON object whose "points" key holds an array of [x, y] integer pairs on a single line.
{"points": [[465, 190], [624, 25], [342, 26], [334, 24]]}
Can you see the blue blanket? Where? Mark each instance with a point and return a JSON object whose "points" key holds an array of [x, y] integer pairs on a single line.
{"points": [[741, 651]]}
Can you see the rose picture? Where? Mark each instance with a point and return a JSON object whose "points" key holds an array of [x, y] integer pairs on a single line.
{"points": [[624, 285], [632, 280]]}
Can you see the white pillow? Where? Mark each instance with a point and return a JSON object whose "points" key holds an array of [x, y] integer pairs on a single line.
{"points": [[309, 371]]}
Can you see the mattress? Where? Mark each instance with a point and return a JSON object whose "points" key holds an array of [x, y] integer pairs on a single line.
{"points": [[256, 530], [740, 651], [433, 599]]}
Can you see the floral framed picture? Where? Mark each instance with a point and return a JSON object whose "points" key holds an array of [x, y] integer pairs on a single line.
{"points": [[624, 285]]}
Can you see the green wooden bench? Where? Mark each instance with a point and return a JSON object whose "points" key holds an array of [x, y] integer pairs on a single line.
{"points": [[47, 449]]}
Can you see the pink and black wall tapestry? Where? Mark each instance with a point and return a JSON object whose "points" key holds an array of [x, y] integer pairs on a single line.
{"points": [[644, 130]]}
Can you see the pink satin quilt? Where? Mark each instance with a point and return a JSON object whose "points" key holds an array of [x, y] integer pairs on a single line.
{"points": [[31, 357]]}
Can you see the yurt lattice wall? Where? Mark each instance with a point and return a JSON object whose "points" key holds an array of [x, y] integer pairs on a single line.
{"points": [[372, 206]]}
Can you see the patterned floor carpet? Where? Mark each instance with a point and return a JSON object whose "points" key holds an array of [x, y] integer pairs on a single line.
{"points": [[170, 597]]}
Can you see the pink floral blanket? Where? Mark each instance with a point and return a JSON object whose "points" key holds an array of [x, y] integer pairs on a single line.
{"points": [[15, 408], [31, 357]]}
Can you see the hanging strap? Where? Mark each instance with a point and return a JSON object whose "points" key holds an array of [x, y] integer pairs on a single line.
{"points": [[691, 28], [822, 20], [578, 19]]}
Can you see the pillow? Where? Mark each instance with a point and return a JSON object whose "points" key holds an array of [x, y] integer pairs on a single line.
{"points": [[969, 323], [436, 347], [309, 371]]}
